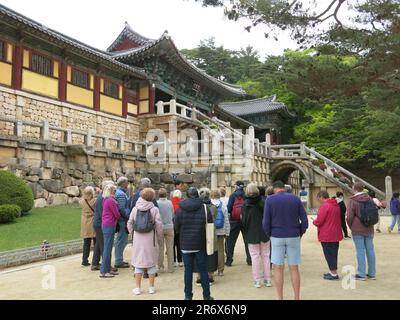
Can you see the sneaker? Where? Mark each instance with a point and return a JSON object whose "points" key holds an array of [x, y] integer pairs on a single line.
{"points": [[360, 278], [176, 264], [220, 273], [188, 298], [180, 264], [228, 263], [198, 282], [371, 277], [331, 277], [123, 265], [114, 269], [85, 264], [152, 290], [268, 283], [209, 298], [378, 230], [136, 291], [211, 281], [257, 284], [95, 268], [347, 238]]}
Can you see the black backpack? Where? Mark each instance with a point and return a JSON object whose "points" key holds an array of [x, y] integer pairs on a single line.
{"points": [[144, 222], [369, 214]]}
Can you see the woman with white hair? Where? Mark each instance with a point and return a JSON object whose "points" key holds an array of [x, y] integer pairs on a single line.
{"points": [[88, 233], [258, 241], [176, 200]]}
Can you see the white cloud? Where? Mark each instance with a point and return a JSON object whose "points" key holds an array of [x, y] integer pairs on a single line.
{"points": [[98, 23]]}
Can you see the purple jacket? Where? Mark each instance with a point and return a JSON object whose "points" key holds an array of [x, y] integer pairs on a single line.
{"points": [[395, 207], [110, 212], [284, 216]]}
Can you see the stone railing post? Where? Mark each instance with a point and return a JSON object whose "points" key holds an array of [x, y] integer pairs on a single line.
{"points": [[106, 142], [121, 144], [388, 191], [172, 106], [160, 107], [268, 139], [88, 138], [303, 149], [183, 112], [44, 130], [68, 136], [18, 128], [194, 114]]}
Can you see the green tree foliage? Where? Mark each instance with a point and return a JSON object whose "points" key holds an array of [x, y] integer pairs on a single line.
{"points": [[343, 82]]}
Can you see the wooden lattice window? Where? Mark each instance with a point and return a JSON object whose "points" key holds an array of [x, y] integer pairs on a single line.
{"points": [[132, 98], [3, 51], [80, 78], [42, 65], [111, 89]]}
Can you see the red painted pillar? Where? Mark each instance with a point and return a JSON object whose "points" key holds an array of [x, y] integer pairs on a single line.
{"points": [[17, 68], [62, 81], [124, 103], [152, 99], [96, 102]]}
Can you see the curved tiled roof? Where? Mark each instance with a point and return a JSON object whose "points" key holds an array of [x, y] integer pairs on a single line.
{"points": [[37, 29], [165, 39], [131, 34], [255, 106]]}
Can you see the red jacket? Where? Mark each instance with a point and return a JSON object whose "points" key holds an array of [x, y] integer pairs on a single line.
{"points": [[328, 222], [175, 202]]}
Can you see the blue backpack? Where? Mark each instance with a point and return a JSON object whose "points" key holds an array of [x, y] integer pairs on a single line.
{"points": [[220, 219]]}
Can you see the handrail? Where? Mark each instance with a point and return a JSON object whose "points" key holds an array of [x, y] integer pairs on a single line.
{"points": [[341, 169]]}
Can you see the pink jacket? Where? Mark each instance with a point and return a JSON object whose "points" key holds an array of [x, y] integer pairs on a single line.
{"points": [[145, 245], [110, 212], [328, 222]]}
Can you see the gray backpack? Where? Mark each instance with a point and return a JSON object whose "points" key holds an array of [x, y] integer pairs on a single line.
{"points": [[144, 222]]}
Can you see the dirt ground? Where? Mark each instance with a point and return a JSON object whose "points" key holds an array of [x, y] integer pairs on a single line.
{"points": [[75, 282]]}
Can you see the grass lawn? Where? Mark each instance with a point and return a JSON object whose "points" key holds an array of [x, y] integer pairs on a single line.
{"points": [[52, 224]]}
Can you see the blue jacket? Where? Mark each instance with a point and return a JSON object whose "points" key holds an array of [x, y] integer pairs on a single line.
{"points": [[98, 212], [395, 207], [123, 203], [232, 197], [190, 223], [284, 216]]}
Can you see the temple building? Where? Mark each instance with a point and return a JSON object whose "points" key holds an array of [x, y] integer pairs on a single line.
{"points": [[125, 81], [72, 116], [265, 114]]}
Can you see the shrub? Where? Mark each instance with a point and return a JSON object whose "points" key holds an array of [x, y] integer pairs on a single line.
{"points": [[9, 212], [14, 190]]}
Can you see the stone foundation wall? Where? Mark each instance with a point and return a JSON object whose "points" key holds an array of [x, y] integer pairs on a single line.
{"points": [[28, 107]]}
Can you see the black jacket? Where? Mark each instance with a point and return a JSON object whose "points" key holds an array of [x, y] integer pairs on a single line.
{"points": [[252, 217], [190, 223]]}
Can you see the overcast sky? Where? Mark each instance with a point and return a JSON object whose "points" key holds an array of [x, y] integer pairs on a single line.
{"points": [[98, 22]]}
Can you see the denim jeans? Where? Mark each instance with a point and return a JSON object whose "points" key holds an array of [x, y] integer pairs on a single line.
{"points": [[365, 247], [120, 243], [108, 236], [395, 219], [201, 260], [230, 243]]}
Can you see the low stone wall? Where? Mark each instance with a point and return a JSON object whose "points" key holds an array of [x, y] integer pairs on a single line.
{"points": [[29, 107]]}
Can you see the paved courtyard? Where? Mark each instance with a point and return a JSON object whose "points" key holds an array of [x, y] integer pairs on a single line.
{"points": [[75, 282]]}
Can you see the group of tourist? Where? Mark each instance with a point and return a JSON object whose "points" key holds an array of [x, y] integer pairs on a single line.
{"points": [[272, 222]]}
